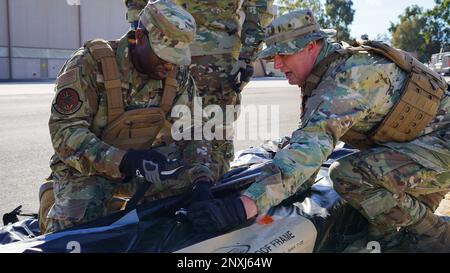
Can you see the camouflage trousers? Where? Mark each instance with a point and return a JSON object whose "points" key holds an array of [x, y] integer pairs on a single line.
{"points": [[391, 190], [211, 74], [81, 199]]}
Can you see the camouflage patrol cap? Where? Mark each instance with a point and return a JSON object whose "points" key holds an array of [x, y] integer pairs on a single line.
{"points": [[171, 30], [290, 33]]}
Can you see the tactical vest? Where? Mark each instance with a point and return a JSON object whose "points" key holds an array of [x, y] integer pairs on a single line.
{"points": [[416, 108], [132, 129]]}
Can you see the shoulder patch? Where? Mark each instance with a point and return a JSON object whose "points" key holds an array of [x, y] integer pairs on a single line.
{"points": [[67, 78], [67, 102]]}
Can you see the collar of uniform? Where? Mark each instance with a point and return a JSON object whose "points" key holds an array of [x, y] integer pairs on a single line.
{"points": [[327, 49]]}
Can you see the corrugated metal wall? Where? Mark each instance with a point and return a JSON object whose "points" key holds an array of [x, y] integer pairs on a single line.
{"points": [[103, 19], [45, 32], [4, 61]]}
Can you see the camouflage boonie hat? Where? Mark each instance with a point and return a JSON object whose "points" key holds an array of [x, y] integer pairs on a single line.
{"points": [[171, 30], [290, 33]]}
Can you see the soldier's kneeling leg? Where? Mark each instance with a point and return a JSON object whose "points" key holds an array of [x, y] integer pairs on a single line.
{"points": [[79, 201], [46, 201], [389, 188]]}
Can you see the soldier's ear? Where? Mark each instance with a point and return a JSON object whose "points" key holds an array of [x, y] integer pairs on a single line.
{"points": [[318, 44], [313, 46], [310, 47]]}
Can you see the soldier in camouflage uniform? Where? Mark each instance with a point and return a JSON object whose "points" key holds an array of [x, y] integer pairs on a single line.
{"points": [[228, 36], [395, 185], [87, 172]]}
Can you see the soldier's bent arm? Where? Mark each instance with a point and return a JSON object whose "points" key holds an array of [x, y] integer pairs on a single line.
{"points": [[196, 153], [346, 96], [252, 34], [73, 110]]}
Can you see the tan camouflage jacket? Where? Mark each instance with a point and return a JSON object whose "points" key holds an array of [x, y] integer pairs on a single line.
{"points": [[223, 26], [354, 93], [79, 114]]}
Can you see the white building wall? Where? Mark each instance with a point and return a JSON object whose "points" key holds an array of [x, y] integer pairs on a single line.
{"points": [[45, 32], [44, 24], [3, 24], [4, 60], [103, 19]]}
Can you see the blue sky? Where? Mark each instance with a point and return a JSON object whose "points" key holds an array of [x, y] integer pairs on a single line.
{"points": [[373, 17]]}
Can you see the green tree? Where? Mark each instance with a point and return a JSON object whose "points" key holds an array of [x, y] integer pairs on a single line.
{"points": [[315, 5], [337, 14], [340, 15], [441, 12], [409, 33], [437, 29], [423, 32]]}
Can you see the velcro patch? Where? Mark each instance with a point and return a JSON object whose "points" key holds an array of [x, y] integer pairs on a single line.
{"points": [[67, 77], [67, 102]]}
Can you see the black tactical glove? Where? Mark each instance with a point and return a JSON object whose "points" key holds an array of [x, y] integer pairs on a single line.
{"points": [[150, 164], [202, 191], [214, 215], [241, 74]]}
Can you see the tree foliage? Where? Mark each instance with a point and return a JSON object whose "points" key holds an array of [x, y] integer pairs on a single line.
{"points": [[409, 33], [315, 5], [420, 31], [423, 32], [336, 14], [340, 16]]}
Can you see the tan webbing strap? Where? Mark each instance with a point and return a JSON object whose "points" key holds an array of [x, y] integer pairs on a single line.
{"points": [[296, 33], [403, 59], [170, 91], [113, 87], [103, 53]]}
